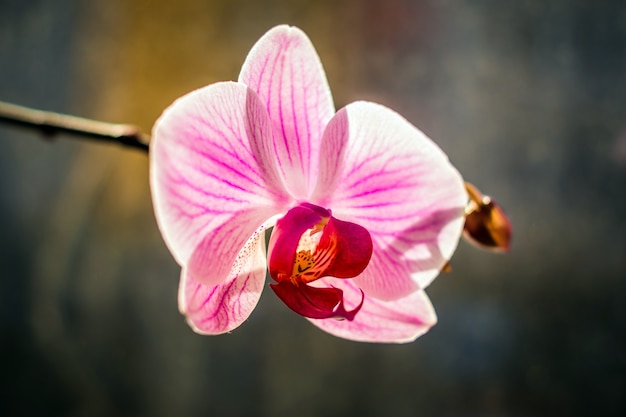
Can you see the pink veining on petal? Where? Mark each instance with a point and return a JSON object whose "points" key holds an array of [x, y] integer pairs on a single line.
{"points": [[284, 69], [414, 253], [210, 163], [394, 181], [216, 309], [213, 258]]}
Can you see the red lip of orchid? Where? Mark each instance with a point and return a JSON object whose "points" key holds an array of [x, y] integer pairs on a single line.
{"points": [[308, 244], [233, 159]]}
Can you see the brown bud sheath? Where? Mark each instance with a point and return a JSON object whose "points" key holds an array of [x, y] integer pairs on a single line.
{"points": [[486, 224]]}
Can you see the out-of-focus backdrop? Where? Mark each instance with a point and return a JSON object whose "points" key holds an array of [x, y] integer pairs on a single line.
{"points": [[528, 98]]}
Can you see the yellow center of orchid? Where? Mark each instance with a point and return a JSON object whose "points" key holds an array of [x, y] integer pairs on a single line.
{"points": [[312, 260]]}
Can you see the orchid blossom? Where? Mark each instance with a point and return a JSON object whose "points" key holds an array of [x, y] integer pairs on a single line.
{"points": [[365, 209]]}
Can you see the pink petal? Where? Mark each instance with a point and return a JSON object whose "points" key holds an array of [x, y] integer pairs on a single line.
{"points": [[213, 174], [215, 309], [284, 69], [379, 171], [412, 260], [214, 256], [399, 321]]}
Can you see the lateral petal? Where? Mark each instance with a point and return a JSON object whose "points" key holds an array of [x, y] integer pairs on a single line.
{"points": [[212, 164], [381, 172], [284, 69]]}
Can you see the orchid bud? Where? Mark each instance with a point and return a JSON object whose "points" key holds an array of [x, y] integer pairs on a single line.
{"points": [[486, 224]]}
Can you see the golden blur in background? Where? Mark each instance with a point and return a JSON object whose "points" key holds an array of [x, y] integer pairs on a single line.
{"points": [[527, 99]]}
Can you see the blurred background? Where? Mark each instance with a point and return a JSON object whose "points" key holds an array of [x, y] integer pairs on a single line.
{"points": [[528, 98]]}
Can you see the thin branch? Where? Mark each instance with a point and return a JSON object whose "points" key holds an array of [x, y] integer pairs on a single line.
{"points": [[51, 124]]}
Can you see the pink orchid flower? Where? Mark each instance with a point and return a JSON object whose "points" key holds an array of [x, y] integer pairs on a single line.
{"points": [[365, 208]]}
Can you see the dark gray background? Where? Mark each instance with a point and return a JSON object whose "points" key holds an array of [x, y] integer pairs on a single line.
{"points": [[528, 98]]}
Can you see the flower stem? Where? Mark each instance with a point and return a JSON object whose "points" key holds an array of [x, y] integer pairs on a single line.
{"points": [[51, 124]]}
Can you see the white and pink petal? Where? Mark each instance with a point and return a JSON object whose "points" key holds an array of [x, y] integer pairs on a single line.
{"points": [[211, 165], [220, 308], [381, 172], [284, 69]]}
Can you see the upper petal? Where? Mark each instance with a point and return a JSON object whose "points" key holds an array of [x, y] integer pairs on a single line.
{"points": [[399, 321], [211, 163], [284, 69], [379, 171], [220, 308]]}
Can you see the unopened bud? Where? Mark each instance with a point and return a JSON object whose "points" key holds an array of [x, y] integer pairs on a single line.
{"points": [[486, 224]]}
